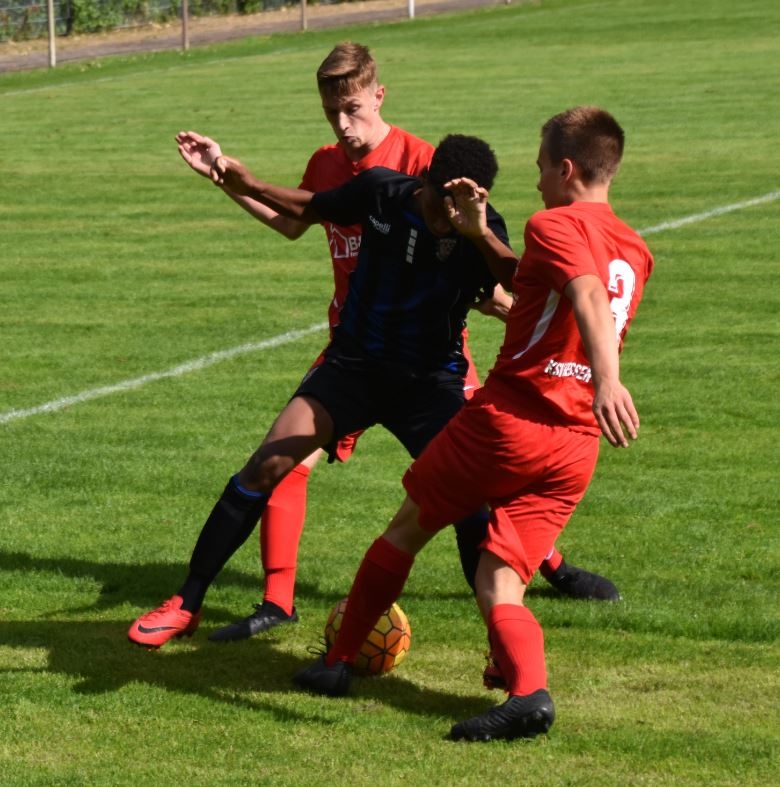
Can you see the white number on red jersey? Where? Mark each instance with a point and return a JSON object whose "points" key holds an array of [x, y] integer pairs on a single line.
{"points": [[622, 281]]}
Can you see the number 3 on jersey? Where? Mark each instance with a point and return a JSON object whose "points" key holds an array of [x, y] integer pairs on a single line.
{"points": [[622, 280]]}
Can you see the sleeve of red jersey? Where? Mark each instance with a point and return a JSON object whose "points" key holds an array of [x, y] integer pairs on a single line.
{"points": [[308, 180], [557, 249]]}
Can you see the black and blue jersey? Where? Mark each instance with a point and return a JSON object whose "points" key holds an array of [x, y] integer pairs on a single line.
{"points": [[410, 291]]}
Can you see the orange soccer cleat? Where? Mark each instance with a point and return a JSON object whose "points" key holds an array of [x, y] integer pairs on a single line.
{"points": [[169, 620]]}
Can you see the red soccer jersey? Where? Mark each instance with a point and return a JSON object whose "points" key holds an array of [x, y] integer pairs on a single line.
{"points": [[542, 368], [329, 167]]}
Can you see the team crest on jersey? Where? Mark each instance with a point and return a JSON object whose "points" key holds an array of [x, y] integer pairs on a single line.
{"points": [[445, 248]]}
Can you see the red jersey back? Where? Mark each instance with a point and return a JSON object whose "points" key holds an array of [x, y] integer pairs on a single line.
{"points": [[542, 368], [329, 167]]}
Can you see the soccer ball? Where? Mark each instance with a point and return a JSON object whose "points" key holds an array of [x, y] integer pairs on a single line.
{"points": [[386, 645]]}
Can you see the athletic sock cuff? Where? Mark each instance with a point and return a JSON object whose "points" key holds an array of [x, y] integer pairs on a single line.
{"points": [[502, 612], [390, 557], [248, 493]]}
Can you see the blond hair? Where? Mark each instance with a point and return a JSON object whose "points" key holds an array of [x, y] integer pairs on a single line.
{"points": [[348, 69]]}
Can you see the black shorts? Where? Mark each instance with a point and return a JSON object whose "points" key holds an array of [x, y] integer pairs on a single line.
{"points": [[358, 393]]}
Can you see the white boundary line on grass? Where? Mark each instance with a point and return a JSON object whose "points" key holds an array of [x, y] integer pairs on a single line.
{"points": [[285, 338], [709, 214], [176, 371]]}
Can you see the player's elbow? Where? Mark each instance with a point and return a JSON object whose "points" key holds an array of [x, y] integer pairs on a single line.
{"points": [[292, 229]]}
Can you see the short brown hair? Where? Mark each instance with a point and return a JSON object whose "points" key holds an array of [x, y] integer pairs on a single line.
{"points": [[348, 69], [590, 137]]}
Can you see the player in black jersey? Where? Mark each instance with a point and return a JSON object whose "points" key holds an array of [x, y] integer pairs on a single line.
{"points": [[395, 358]]}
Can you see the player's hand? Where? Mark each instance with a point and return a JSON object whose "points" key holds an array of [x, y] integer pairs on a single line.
{"points": [[466, 207], [231, 174], [616, 415], [198, 151], [496, 304]]}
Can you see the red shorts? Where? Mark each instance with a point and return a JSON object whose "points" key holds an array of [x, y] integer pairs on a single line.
{"points": [[346, 445], [531, 474]]}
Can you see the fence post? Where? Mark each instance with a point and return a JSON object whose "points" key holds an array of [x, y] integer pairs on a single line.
{"points": [[52, 22], [304, 22], [185, 25]]}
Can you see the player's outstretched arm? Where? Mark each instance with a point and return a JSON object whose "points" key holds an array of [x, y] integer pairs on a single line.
{"points": [[612, 404], [467, 212], [200, 152], [230, 173]]}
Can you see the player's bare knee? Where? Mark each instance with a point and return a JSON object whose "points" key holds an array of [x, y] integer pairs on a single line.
{"points": [[404, 530], [263, 473]]}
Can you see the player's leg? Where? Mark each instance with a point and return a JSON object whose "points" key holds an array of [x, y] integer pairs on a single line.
{"points": [[577, 582], [552, 469], [378, 583], [347, 395], [281, 526], [517, 645], [422, 414], [386, 564], [469, 534], [300, 428]]}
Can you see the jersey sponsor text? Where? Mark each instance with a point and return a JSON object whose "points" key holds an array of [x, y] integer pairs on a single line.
{"points": [[578, 371]]}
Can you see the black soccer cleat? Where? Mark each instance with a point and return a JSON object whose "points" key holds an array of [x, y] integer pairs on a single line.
{"points": [[265, 617], [579, 583], [318, 678], [519, 717]]}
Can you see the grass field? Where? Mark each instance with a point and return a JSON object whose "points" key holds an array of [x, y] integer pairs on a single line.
{"points": [[123, 277]]}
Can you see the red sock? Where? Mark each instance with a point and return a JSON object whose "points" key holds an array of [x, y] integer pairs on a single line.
{"points": [[517, 643], [551, 563], [280, 533], [378, 583]]}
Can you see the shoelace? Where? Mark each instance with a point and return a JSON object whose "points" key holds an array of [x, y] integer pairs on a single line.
{"points": [[163, 609], [318, 650]]}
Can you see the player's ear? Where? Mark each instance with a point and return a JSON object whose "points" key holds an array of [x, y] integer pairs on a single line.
{"points": [[379, 97], [567, 169]]}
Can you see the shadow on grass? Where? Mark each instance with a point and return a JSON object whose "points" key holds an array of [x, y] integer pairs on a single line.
{"points": [[139, 584], [98, 658], [145, 585]]}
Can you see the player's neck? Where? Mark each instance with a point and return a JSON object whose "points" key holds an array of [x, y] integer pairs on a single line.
{"points": [[594, 192]]}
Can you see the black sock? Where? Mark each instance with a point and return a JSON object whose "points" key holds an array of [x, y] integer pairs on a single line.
{"points": [[470, 533], [229, 525]]}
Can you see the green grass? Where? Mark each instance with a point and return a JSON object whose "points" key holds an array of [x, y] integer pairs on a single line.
{"points": [[116, 262]]}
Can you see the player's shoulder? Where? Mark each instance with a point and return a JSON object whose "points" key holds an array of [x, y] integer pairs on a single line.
{"points": [[328, 152], [550, 223], [400, 150], [566, 219], [410, 140]]}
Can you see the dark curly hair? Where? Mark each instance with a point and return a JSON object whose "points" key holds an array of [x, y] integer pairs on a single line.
{"points": [[459, 156]]}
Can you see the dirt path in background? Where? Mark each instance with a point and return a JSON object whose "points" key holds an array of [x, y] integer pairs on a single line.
{"points": [[16, 56]]}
